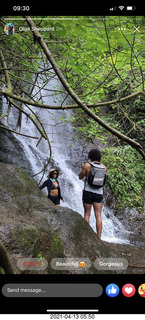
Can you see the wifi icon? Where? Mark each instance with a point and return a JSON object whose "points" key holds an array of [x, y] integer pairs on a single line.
{"points": [[121, 7]]}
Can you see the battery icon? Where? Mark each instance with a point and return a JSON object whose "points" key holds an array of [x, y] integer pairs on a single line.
{"points": [[131, 8]]}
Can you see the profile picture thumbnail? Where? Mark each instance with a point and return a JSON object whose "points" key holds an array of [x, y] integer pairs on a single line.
{"points": [[9, 29]]}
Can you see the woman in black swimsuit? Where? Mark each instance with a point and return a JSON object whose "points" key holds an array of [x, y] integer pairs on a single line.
{"points": [[53, 187]]}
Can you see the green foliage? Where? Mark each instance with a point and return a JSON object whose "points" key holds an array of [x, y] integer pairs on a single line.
{"points": [[99, 59], [101, 62], [63, 119], [41, 258], [97, 51], [126, 176], [90, 129], [103, 59]]}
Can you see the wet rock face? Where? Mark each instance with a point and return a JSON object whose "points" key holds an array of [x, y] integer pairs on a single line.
{"points": [[32, 226], [133, 221], [24, 229], [135, 224], [11, 151]]}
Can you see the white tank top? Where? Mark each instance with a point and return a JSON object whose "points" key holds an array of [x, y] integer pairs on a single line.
{"points": [[96, 190]]}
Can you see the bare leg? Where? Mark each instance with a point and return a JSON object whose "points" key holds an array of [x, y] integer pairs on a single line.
{"points": [[98, 214], [87, 211]]}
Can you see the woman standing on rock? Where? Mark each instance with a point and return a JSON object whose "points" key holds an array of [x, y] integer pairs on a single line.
{"points": [[53, 187], [93, 194]]}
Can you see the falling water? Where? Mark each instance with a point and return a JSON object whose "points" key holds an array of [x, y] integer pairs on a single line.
{"points": [[61, 136]]}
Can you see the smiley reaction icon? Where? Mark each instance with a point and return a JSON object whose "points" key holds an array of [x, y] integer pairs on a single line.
{"points": [[82, 264], [141, 290]]}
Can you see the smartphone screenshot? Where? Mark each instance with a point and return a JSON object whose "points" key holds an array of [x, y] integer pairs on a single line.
{"points": [[72, 160]]}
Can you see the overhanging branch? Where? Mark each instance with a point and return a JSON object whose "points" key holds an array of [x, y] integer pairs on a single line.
{"points": [[35, 103], [37, 36], [45, 106], [21, 134]]}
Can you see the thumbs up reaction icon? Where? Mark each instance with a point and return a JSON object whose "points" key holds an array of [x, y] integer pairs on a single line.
{"points": [[112, 290]]}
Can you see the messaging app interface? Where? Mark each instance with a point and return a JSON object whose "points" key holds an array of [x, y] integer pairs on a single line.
{"points": [[72, 162]]}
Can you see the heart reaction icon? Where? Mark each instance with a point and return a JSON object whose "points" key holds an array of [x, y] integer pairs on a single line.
{"points": [[128, 290]]}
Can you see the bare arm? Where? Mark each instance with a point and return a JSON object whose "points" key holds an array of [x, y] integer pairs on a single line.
{"points": [[84, 171]]}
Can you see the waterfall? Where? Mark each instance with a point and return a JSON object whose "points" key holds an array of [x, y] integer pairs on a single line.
{"points": [[61, 135]]}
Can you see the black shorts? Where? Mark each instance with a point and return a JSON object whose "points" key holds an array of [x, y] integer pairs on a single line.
{"points": [[54, 199], [90, 197]]}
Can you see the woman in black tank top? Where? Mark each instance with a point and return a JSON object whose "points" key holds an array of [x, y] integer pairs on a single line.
{"points": [[52, 184]]}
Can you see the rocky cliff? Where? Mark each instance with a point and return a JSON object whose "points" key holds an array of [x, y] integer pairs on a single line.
{"points": [[31, 226]]}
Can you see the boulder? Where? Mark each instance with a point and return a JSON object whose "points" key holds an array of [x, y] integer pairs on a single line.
{"points": [[32, 226]]}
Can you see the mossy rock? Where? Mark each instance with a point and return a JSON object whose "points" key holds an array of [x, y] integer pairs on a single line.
{"points": [[31, 242], [32, 226]]}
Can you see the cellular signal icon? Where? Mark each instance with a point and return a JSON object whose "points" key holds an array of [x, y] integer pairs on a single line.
{"points": [[112, 9], [121, 7]]}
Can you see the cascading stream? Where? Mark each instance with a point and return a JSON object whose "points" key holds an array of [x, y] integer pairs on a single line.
{"points": [[61, 136]]}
